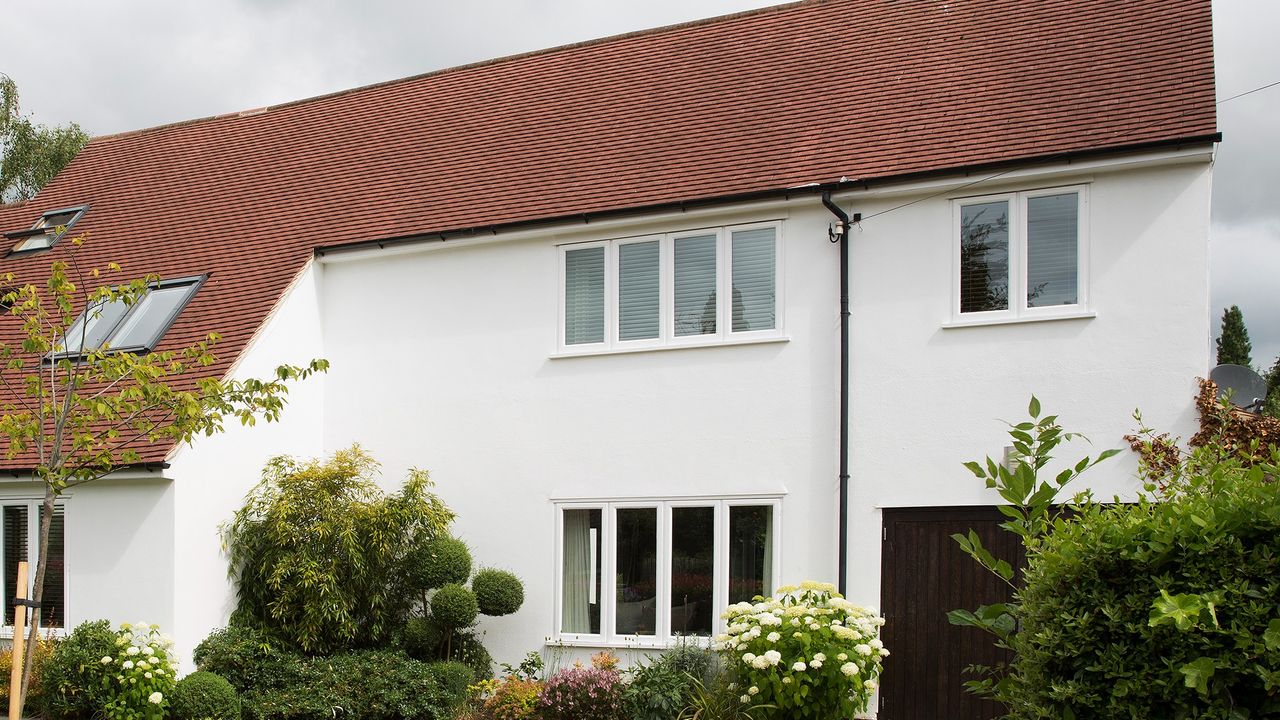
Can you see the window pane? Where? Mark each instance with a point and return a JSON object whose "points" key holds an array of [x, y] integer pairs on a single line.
{"points": [[15, 551], [695, 285], [638, 290], [984, 257], [57, 219], [637, 570], [102, 319], [150, 316], [750, 552], [754, 275], [584, 296], [580, 608], [36, 242], [1052, 241], [692, 569]]}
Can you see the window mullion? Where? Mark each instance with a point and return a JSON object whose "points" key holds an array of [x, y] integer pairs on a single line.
{"points": [[609, 568], [662, 604], [1017, 254], [720, 589]]}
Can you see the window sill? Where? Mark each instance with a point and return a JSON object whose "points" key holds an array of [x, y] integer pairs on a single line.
{"points": [[6, 632], [979, 322], [633, 644], [757, 340]]}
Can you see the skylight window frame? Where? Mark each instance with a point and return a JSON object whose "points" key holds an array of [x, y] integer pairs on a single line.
{"points": [[39, 229], [195, 282]]}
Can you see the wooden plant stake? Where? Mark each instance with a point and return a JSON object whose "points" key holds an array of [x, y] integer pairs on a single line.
{"points": [[19, 641]]}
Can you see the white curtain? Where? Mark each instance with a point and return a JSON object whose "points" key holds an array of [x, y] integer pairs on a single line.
{"points": [[574, 615]]}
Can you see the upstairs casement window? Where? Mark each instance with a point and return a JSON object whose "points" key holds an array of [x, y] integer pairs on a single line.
{"points": [[46, 232], [649, 572], [20, 542], [123, 327], [1021, 255], [688, 288]]}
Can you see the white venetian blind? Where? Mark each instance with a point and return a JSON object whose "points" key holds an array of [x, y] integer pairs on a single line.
{"points": [[638, 283], [754, 268], [695, 285], [1052, 250], [984, 257], [584, 296]]}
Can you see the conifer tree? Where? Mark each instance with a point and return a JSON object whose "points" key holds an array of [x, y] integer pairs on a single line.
{"points": [[1233, 341]]}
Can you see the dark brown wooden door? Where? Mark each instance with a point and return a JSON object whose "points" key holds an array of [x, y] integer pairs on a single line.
{"points": [[924, 574]]}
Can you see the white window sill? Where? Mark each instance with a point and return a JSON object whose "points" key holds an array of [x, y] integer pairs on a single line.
{"points": [[717, 342], [1008, 320], [6, 632], [630, 644]]}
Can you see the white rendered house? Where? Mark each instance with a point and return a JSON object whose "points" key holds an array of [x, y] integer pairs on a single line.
{"points": [[605, 311]]}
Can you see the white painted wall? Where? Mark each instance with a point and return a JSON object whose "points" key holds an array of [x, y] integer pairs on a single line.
{"points": [[442, 359], [213, 475]]}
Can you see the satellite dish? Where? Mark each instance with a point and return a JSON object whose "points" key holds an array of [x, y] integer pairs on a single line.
{"points": [[1241, 385]]}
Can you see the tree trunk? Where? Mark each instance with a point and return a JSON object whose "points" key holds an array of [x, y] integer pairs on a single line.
{"points": [[33, 635]]}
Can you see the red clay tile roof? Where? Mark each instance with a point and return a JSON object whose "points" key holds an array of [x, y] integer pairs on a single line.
{"points": [[760, 101]]}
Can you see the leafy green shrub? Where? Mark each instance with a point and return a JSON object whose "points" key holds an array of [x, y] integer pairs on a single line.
{"points": [[498, 592], [322, 554], [806, 651], [438, 562], [248, 659], [422, 638], [661, 688], [512, 698], [469, 650], [361, 685], [1159, 609], [75, 681], [454, 606], [202, 695], [453, 678]]}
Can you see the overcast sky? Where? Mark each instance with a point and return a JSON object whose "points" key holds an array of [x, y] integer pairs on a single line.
{"points": [[130, 64]]}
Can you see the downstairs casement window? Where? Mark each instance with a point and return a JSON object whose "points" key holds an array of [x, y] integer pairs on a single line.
{"points": [[1021, 255], [688, 288], [20, 541], [675, 566]]}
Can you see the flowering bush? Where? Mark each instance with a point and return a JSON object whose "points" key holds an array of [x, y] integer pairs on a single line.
{"points": [[144, 676], [805, 653], [579, 693]]}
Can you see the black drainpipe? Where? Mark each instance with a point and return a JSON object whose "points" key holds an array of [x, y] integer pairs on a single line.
{"points": [[841, 235]]}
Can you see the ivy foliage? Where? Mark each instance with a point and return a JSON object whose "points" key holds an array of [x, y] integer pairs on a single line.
{"points": [[321, 551]]}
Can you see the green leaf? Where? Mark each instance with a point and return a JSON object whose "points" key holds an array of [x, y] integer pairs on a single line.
{"points": [[1197, 673], [1033, 408], [1182, 610], [1271, 636]]}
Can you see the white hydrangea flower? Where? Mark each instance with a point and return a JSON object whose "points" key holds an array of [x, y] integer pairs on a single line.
{"points": [[156, 698], [786, 680], [820, 657], [799, 666], [870, 684], [842, 657], [773, 637], [773, 656], [132, 650], [745, 698], [748, 657], [760, 663], [862, 649], [106, 660], [127, 665], [875, 643], [849, 669], [753, 690], [815, 664], [147, 675]]}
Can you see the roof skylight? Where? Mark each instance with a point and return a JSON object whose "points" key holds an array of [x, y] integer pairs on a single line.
{"points": [[48, 229]]}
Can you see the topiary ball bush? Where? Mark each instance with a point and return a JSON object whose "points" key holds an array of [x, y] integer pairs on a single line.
{"points": [[470, 650], [498, 592], [422, 638], [75, 681], [454, 606], [439, 562], [202, 695]]}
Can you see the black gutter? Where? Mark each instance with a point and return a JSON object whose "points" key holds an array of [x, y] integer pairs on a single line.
{"points": [[841, 235], [145, 466], [446, 234]]}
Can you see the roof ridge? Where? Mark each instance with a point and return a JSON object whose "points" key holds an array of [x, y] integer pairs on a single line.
{"points": [[768, 9]]}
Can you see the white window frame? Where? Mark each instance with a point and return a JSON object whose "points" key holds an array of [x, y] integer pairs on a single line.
{"points": [[662, 637], [1018, 309], [667, 338], [33, 503]]}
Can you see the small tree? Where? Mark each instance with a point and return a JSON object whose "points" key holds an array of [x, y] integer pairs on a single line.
{"points": [[31, 154], [81, 415], [1272, 376], [1233, 341]]}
